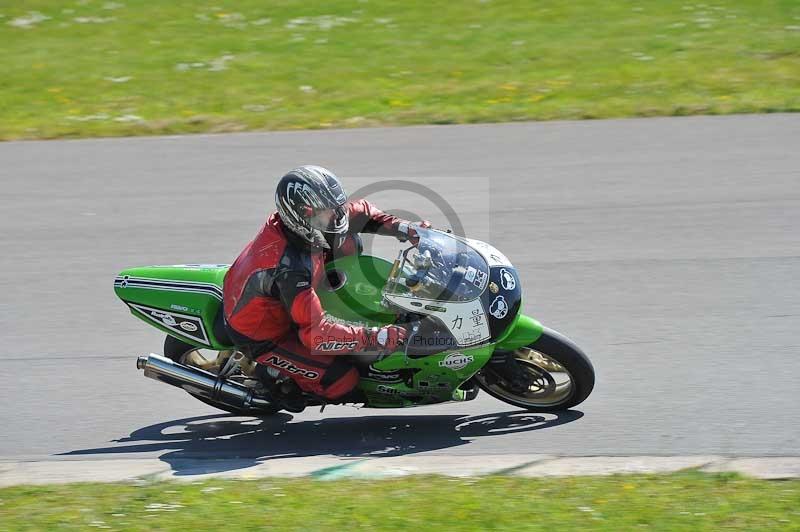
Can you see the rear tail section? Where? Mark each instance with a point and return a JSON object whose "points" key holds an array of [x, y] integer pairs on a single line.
{"points": [[184, 301]]}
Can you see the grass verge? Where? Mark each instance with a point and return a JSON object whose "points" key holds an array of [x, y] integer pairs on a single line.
{"points": [[682, 501], [129, 67]]}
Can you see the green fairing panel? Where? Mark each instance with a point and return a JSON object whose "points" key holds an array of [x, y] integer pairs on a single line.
{"points": [[525, 331], [180, 300], [358, 299], [433, 379]]}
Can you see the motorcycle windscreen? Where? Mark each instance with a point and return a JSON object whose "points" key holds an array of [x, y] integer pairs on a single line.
{"points": [[440, 268]]}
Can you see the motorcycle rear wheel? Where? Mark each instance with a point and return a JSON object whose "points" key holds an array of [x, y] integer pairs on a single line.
{"points": [[559, 376], [177, 351]]}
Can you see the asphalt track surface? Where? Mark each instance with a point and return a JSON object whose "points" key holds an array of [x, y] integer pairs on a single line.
{"points": [[669, 249]]}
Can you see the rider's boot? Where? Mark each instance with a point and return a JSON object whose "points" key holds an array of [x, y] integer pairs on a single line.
{"points": [[287, 395]]}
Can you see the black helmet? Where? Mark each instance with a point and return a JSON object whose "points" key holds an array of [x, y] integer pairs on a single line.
{"points": [[311, 204]]}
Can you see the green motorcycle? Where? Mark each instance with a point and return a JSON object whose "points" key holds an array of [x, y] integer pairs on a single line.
{"points": [[459, 298]]}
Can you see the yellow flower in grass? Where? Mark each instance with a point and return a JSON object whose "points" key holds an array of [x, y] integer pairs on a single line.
{"points": [[509, 87]]}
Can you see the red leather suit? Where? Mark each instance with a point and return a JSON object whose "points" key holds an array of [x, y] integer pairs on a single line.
{"points": [[272, 311]]}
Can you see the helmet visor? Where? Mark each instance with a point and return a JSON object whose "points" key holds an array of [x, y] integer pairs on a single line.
{"points": [[330, 220]]}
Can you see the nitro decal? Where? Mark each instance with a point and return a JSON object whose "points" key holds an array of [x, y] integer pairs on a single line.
{"points": [[507, 280], [337, 346], [183, 325], [456, 361], [144, 283], [499, 308], [287, 366]]}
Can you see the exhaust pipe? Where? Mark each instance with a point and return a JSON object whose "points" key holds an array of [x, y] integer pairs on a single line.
{"points": [[199, 382]]}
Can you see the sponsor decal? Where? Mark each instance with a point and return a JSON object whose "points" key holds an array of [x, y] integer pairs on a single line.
{"points": [[336, 346], [188, 326], [434, 387], [182, 325], [165, 318], [493, 287], [291, 368], [480, 279], [302, 284], [377, 375], [499, 308], [507, 279], [470, 275], [456, 361], [179, 307], [472, 337], [386, 390]]}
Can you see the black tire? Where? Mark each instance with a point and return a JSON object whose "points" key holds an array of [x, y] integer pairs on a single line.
{"points": [[560, 349], [174, 350]]}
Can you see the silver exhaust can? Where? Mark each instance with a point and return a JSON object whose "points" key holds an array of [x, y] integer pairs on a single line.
{"points": [[199, 382]]}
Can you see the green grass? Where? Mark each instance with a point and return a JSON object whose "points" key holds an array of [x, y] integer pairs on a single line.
{"points": [[135, 67], [683, 501]]}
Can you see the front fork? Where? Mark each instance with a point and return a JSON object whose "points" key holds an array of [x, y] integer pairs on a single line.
{"points": [[503, 364]]}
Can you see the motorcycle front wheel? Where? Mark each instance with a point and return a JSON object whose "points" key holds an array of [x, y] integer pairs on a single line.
{"points": [[550, 375]]}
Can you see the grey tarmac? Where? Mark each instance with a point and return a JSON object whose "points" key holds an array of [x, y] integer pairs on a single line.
{"points": [[668, 249]]}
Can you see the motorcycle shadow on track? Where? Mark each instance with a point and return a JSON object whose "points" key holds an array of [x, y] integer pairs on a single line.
{"points": [[218, 443]]}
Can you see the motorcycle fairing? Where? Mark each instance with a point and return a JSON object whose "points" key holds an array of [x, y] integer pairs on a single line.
{"points": [[181, 300]]}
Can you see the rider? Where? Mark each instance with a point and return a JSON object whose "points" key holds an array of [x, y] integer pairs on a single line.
{"points": [[271, 308]]}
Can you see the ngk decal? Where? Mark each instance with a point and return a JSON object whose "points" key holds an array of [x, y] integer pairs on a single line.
{"points": [[291, 368]]}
